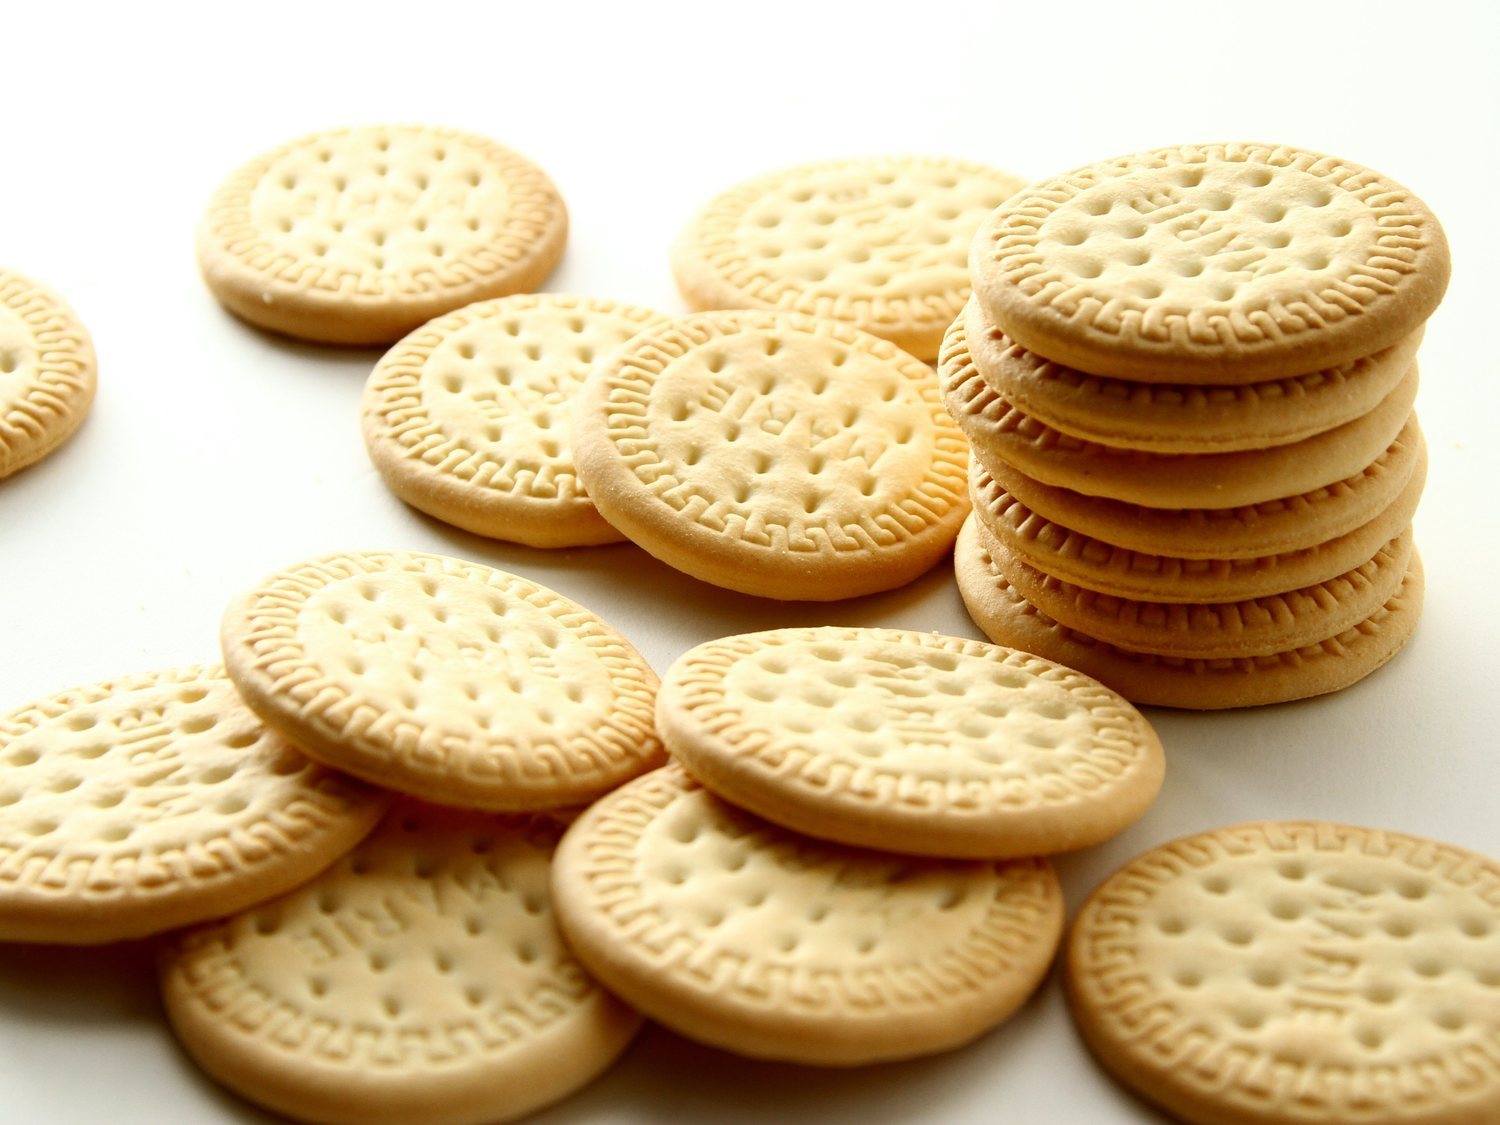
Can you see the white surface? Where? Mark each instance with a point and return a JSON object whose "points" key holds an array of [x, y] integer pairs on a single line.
{"points": [[215, 453]]}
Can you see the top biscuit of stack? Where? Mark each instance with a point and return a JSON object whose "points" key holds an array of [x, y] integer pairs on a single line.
{"points": [[1219, 264]]}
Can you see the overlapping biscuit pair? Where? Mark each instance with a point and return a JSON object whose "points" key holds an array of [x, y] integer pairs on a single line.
{"points": [[421, 976], [1187, 377], [842, 864]]}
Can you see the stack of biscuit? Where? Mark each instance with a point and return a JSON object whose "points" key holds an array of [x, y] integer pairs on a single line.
{"points": [[1187, 379]]}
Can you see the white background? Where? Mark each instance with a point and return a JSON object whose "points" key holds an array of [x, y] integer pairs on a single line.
{"points": [[216, 453]]}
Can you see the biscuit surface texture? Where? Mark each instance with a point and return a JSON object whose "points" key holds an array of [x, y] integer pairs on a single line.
{"points": [[1196, 684], [1297, 972], [1220, 263], [469, 418], [770, 944], [446, 679], [47, 372], [1192, 418], [879, 242], [359, 235], [866, 736], [774, 454], [137, 805], [422, 978]]}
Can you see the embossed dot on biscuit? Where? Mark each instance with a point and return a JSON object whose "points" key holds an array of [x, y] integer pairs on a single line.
{"points": [[761, 941], [774, 454], [1297, 972], [359, 235], [447, 679], [422, 978], [867, 736], [137, 805]]}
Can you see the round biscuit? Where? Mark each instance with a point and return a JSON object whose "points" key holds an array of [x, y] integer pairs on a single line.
{"points": [[1091, 563], [770, 944], [953, 747], [1220, 263], [422, 978], [1192, 684], [47, 372], [999, 432], [774, 454], [1175, 418], [131, 807], [360, 235], [469, 418], [446, 679], [880, 242], [1297, 972]]}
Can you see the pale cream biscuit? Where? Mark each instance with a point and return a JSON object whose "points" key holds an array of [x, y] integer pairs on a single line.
{"points": [[1297, 973], [880, 242], [1274, 527], [469, 418], [1176, 418], [752, 938], [131, 807], [887, 738], [445, 679], [1096, 565], [1221, 263], [359, 235], [999, 432], [1252, 627], [420, 979], [774, 454], [1193, 684], [47, 372]]}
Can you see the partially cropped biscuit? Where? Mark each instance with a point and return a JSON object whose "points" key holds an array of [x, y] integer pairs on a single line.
{"points": [[359, 235], [131, 807], [748, 937], [1296, 973], [469, 418], [47, 372], [878, 242], [910, 741], [1213, 263], [774, 454]]}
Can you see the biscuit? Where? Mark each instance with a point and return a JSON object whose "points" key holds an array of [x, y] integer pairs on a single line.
{"points": [[1174, 418], [446, 679], [748, 937], [469, 417], [1222, 263], [1273, 527], [134, 806], [1092, 563], [1297, 972], [358, 236], [47, 372], [420, 979], [881, 243], [869, 736], [1001, 433], [1199, 685], [1214, 630], [774, 454]]}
